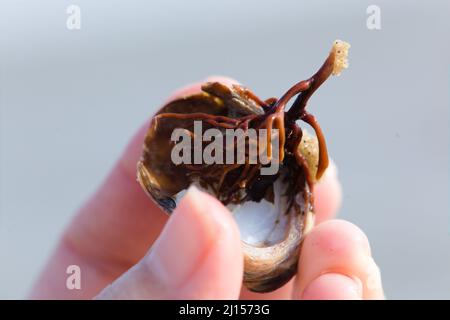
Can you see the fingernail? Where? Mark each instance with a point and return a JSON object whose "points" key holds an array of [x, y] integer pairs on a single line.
{"points": [[333, 286], [185, 240]]}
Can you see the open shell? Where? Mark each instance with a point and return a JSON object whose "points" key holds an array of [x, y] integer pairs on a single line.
{"points": [[273, 212]]}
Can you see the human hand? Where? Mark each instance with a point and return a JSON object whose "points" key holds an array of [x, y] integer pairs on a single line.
{"points": [[117, 242]]}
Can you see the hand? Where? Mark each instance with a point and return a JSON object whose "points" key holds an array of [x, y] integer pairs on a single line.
{"points": [[117, 242]]}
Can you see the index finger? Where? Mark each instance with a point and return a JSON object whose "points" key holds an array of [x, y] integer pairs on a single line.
{"points": [[113, 230]]}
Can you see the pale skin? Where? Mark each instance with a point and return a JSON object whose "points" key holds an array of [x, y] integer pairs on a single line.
{"points": [[127, 248]]}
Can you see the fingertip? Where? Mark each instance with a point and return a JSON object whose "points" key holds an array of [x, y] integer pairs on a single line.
{"points": [[225, 248], [222, 79], [338, 246], [189, 235], [196, 246], [339, 239], [333, 286], [184, 91], [209, 211], [327, 195], [197, 86]]}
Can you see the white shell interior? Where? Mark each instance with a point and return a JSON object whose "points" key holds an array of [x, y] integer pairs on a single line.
{"points": [[260, 223], [263, 223]]}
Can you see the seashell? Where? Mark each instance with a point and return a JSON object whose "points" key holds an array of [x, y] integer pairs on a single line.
{"points": [[274, 211]]}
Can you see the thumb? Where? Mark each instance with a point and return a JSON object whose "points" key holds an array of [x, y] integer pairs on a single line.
{"points": [[191, 258]]}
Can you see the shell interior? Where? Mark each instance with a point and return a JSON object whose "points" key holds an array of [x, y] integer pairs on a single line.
{"points": [[261, 224]]}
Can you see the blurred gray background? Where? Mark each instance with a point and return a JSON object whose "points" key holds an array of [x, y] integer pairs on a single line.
{"points": [[70, 100]]}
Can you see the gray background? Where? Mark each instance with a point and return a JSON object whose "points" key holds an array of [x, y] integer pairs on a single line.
{"points": [[70, 100]]}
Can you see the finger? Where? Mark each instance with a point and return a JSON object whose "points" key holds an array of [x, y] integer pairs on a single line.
{"points": [[327, 195], [333, 286], [341, 251], [112, 231], [191, 258], [120, 218]]}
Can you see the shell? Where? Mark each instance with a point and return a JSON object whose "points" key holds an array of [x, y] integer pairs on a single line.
{"points": [[266, 268], [272, 259]]}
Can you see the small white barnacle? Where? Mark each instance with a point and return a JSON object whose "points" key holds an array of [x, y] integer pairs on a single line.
{"points": [[340, 49]]}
